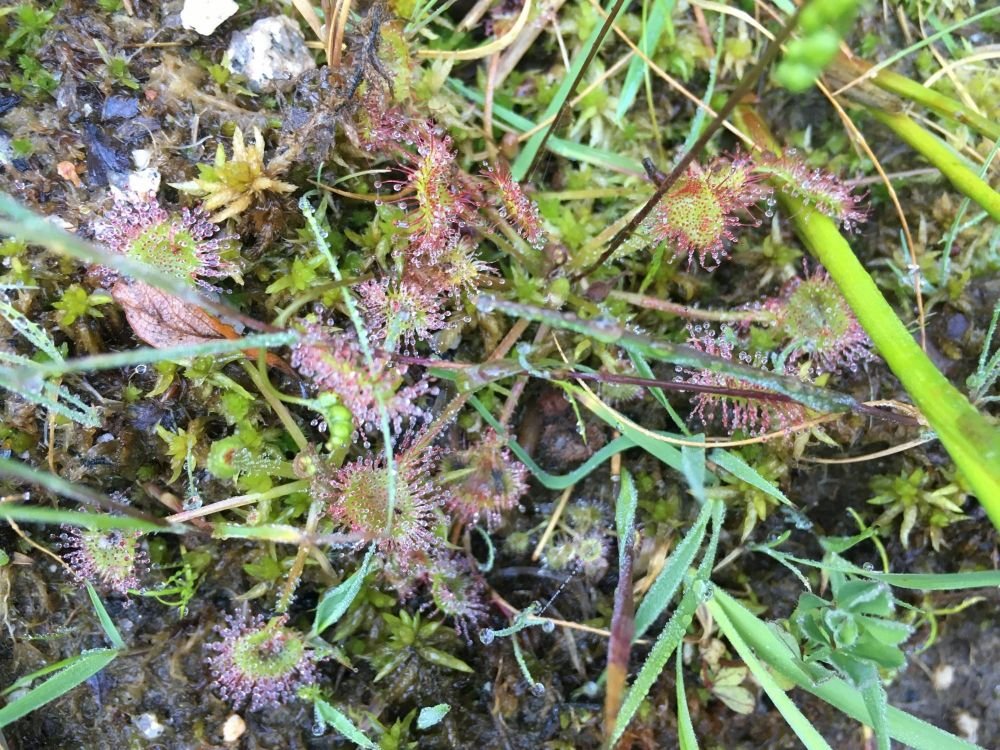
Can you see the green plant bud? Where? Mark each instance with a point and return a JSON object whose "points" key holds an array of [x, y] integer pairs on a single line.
{"points": [[813, 17], [839, 13], [820, 48], [220, 463], [795, 76]]}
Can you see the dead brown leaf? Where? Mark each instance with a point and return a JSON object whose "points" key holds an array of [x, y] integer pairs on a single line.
{"points": [[163, 320]]}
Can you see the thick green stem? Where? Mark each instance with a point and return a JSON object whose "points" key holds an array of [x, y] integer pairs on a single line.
{"points": [[941, 156], [928, 97], [971, 441]]}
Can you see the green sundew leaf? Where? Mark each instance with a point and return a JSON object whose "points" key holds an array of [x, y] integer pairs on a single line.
{"points": [[611, 332], [443, 659], [148, 355], [567, 149], [802, 727], [657, 20], [432, 715], [668, 640], [106, 622], [735, 465], [95, 521], [86, 666], [693, 468], [774, 652], [326, 714], [51, 396], [37, 335], [334, 603], [274, 532], [628, 500], [685, 729]]}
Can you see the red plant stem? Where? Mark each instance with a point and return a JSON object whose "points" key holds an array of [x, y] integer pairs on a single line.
{"points": [[667, 385]]}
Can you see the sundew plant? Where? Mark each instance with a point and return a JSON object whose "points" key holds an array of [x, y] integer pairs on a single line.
{"points": [[499, 375]]}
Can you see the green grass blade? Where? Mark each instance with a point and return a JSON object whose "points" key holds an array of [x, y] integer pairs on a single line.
{"points": [[334, 603], [644, 370], [28, 226], [667, 453], [54, 397], [666, 643], [878, 705], [567, 149], [693, 469], [552, 481], [669, 580], [735, 465], [628, 500], [519, 168], [973, 579], [148, 355], [327, 714], [657, 20], [105, 619], [685, 729], [611, 332], [72, 491], [802, 727], [96, 521], [37, 335], [59, 684]]}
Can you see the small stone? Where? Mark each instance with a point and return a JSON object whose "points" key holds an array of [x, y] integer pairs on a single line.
{"points": [[968, 726], [943, 677], [234, 728], [205, 16], [271, 54], [149, 726]]}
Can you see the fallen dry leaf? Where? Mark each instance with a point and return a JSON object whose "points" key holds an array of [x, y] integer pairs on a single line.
{"points": [[163, 320], [67, 170]]}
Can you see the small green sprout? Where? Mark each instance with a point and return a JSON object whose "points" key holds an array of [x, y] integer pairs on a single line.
{"points": [[411, 636], [77, 303], [913, 497]]}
